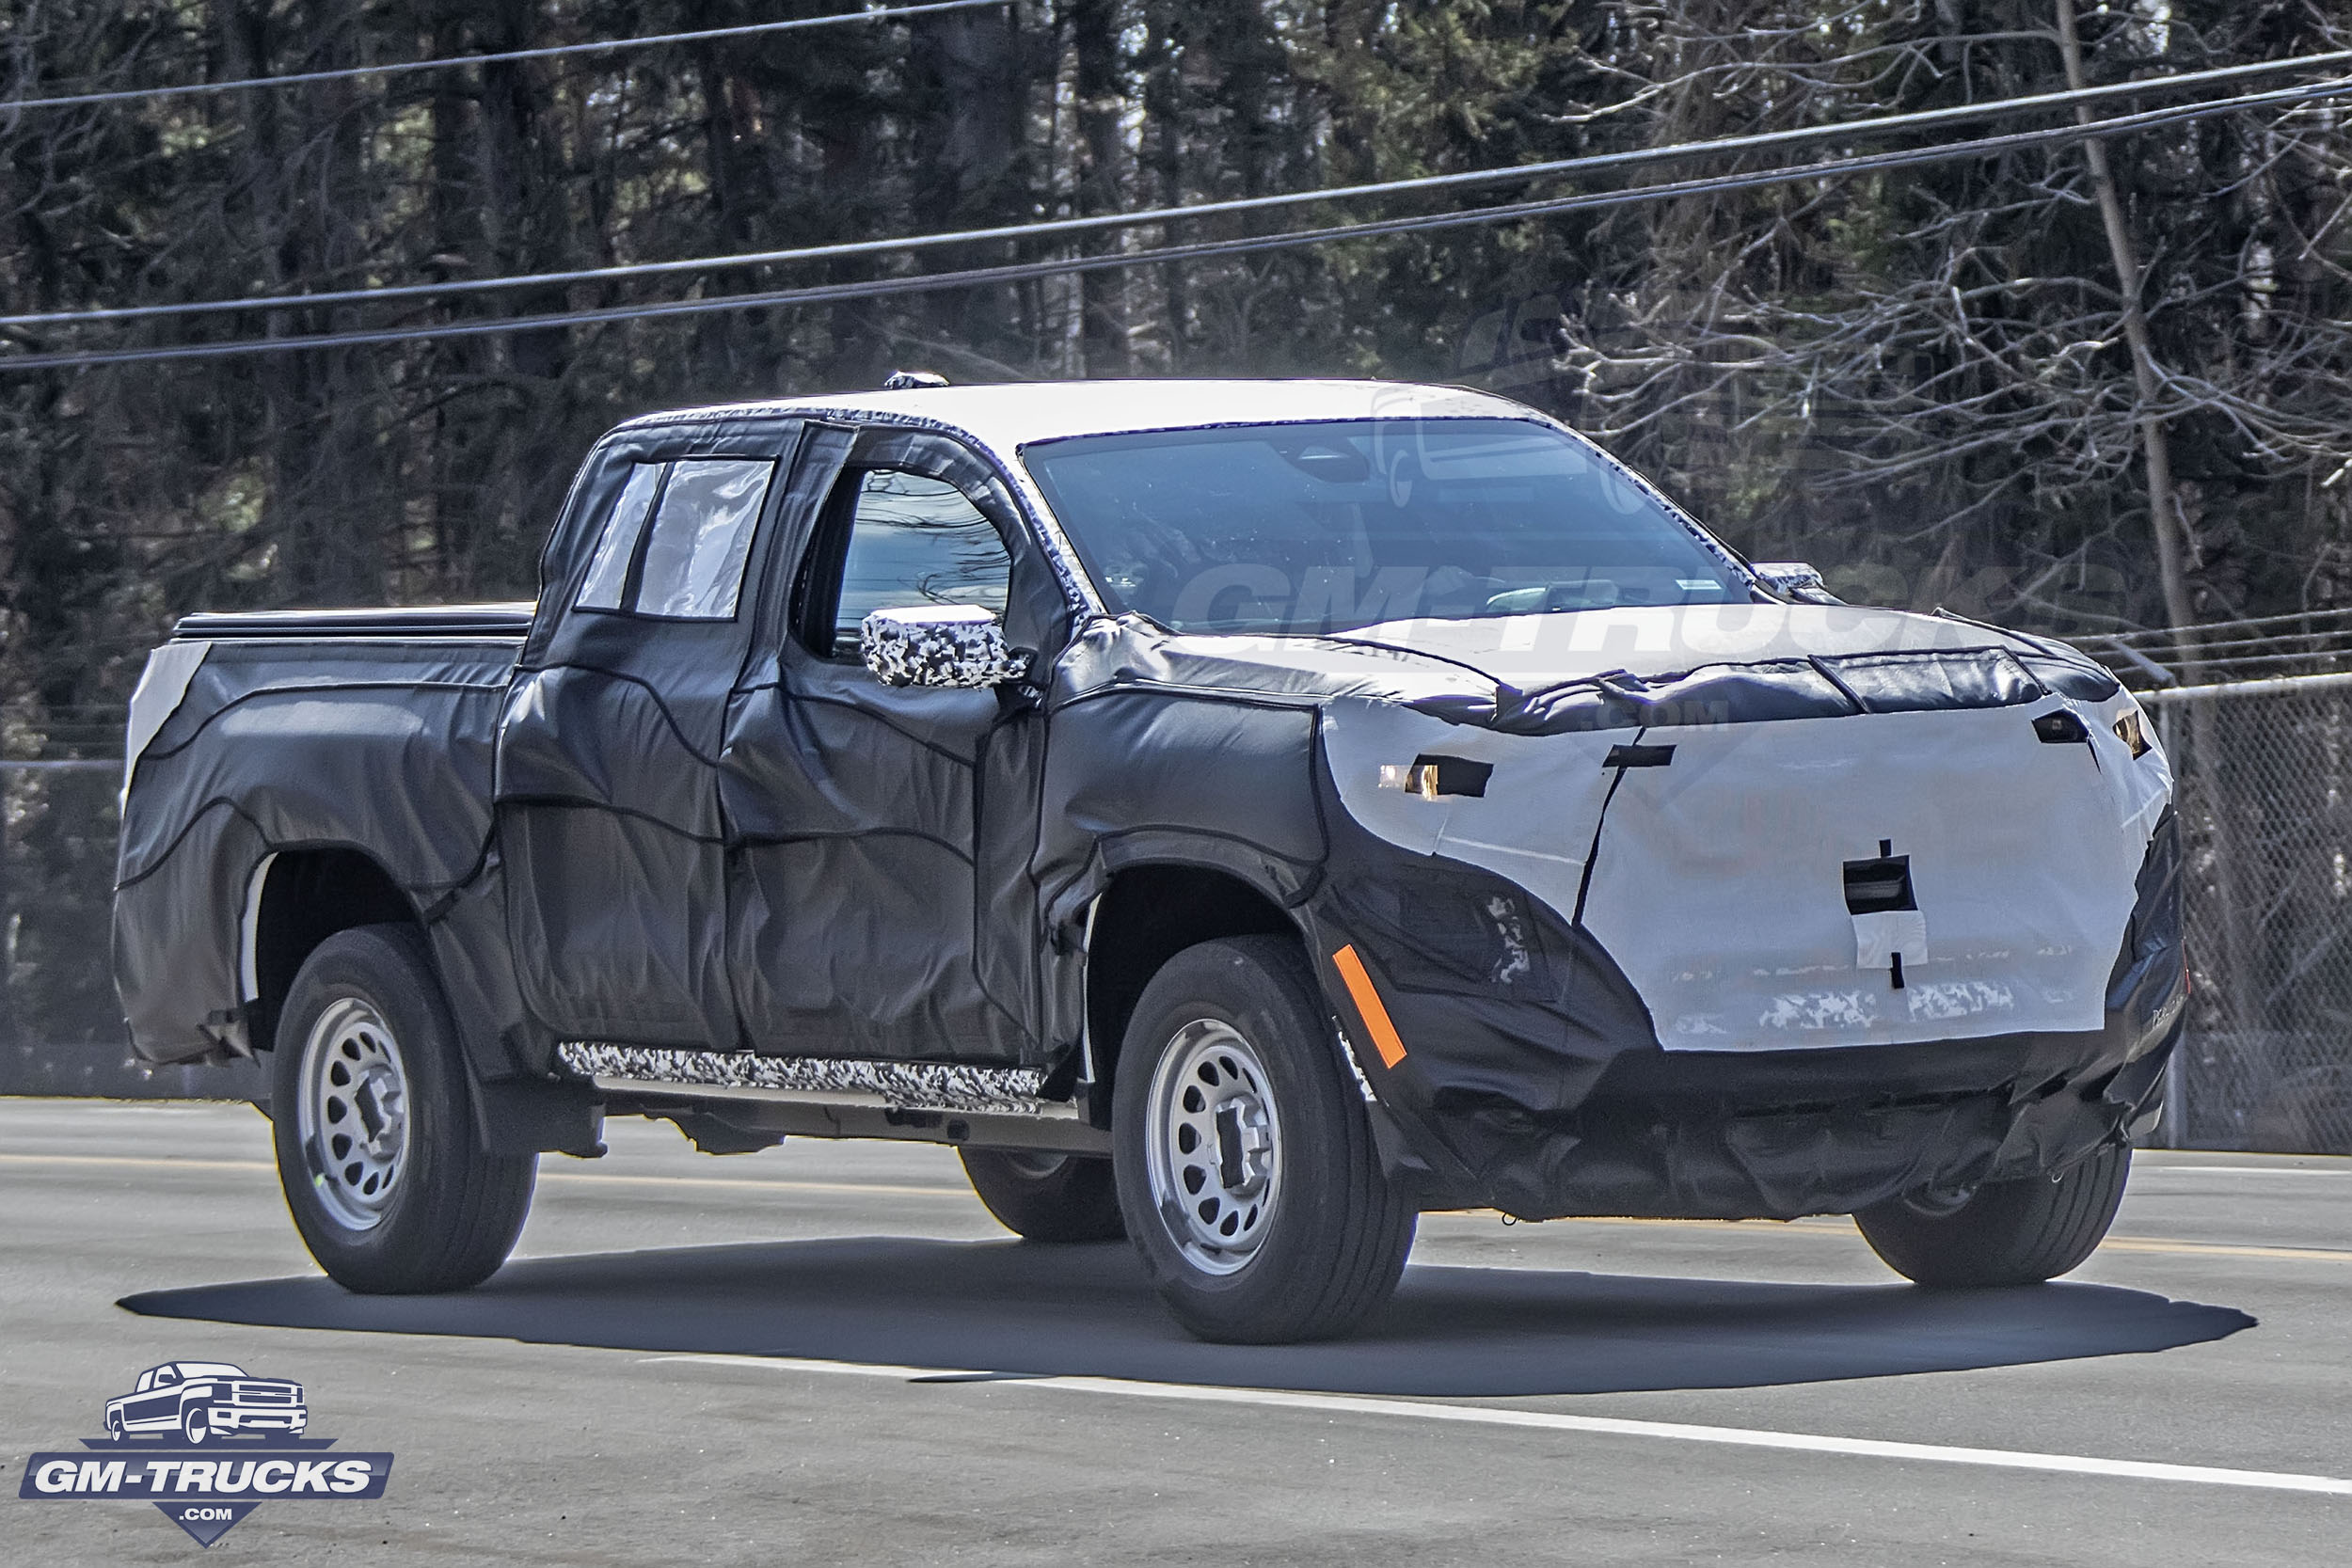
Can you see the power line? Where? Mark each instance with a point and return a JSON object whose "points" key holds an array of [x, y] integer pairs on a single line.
{"points": [[1023, 272], [1764, 141], [2165, 636], [601, 46]]}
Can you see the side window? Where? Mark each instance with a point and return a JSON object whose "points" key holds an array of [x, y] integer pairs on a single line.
{"points": [[688, 564], [608, 574], [166, 1376], [910, 541]]}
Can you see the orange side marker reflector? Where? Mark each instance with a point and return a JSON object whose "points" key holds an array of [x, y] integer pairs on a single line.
{"points": [[1383, 1033]]}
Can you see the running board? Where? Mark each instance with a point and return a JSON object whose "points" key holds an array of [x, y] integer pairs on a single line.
{"points": [[833, 1098]]}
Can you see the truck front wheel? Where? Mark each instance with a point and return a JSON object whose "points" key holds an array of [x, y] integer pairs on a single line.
{"points": [[1245, 1165], [387, 1182], [2004, 1232]]}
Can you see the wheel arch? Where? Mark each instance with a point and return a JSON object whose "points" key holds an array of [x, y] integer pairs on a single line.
{"points": [[295, 899], [1148, 914], [298, 897]]}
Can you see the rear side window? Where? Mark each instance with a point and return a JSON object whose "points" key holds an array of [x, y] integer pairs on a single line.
{"points": [[686, 563], [608, 574]]}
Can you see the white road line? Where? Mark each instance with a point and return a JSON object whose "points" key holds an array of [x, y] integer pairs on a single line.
{"points": [[2147, 1168], [1544, 1420]]}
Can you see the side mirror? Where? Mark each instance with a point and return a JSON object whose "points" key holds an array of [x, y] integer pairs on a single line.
{"points": [[1794, 580], [950, 646]]}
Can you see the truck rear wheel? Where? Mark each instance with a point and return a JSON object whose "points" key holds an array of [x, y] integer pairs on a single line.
{"points": [[2004, 1232], [387, 1182], [1047, 1197], [1245, 1165]]}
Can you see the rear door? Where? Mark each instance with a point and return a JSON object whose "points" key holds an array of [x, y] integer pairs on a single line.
{"points": [[609, 754]]}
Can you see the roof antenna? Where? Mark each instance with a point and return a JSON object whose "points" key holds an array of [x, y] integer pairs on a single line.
{"points": [[901, 381]]}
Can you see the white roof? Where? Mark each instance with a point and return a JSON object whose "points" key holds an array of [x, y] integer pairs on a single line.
{"points": [[1005, 416]]}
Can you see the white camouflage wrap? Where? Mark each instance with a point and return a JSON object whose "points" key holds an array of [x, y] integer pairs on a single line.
{"points": [[1717, 880], [914, 1085], [938, 645]]}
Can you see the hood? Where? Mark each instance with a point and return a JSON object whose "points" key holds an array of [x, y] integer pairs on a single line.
{"points": [[1534, 651], [1732, 661]]}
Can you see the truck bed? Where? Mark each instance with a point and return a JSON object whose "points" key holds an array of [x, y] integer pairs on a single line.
{"points": [[368, 735]]}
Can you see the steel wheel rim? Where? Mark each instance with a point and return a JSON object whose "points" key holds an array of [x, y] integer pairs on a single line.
{"points": [[1213, 1147], [353, 1113]]}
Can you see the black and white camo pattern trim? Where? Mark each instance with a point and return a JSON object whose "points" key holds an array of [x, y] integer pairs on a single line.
{"points": [[952, 646], [914, 1085]]}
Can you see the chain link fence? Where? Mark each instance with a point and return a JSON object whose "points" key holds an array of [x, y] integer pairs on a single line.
{"points": [[2265, 776]]}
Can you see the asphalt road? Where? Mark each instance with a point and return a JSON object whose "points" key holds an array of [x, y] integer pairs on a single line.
{"points": [[829, 1354]]}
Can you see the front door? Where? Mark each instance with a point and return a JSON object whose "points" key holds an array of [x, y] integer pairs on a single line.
{"points": [[878, 899], [608, 783]]}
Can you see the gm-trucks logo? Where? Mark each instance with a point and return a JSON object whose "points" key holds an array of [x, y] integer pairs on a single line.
{"points": [[208, 1444]]}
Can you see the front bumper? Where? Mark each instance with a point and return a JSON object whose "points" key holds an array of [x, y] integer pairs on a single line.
{"points": [[225, 1418], [1559, 1101]]}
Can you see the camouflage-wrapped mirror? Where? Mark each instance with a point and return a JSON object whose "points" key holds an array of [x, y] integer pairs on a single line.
{"points": [[955, 646]]}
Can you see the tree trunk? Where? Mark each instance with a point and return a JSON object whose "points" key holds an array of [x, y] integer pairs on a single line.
{"points": [[1096, 80], [968, 96], [2156, 449], [2204, 755]]}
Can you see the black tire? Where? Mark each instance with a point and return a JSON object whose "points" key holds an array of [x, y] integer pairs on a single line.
{"points": [[444, 1213], [2004, 1233], [1325, 1244], [1047, 1197], [195, 1424]]}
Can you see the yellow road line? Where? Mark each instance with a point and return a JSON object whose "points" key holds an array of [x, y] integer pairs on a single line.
{"points": [[1839, 1227], [2178, 1246], [2221, 1250], [133, 1160], [780, 1184]]}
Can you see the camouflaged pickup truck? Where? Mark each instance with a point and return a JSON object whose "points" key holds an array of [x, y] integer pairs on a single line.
{"points": [[1238, 815]]}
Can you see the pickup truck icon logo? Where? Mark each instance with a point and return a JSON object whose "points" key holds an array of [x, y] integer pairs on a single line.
{"points": [[199, 1400], [207, 1443]]}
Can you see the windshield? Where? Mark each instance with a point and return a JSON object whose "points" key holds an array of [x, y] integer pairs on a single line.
{"points": [[1330, 527]]}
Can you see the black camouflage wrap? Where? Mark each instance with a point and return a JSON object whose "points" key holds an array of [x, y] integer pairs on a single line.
{"points": [[386, 746]]}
